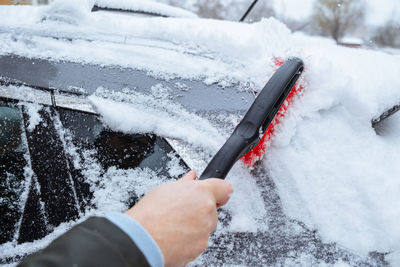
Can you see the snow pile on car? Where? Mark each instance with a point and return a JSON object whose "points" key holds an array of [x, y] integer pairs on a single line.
{"points": [[139, 113], [332, 170]]}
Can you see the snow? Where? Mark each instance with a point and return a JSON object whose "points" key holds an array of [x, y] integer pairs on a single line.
{"points": [[109, 195], [332, 171], [31, 14], [174, 169], [132, 118], [34, 116], [71, 11], [184, 47], [26, 94], [146, 6]]}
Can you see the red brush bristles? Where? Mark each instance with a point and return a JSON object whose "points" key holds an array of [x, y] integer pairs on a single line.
{"points": [[259, 150]]}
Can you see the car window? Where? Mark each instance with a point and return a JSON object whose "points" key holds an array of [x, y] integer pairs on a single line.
{"points": [[116, 149], [12, 165], [43, 179]]}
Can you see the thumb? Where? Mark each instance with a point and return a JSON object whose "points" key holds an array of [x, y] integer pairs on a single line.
{"points": [[190, 176]]}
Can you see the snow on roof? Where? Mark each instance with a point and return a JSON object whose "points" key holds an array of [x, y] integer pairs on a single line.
{"points": [[214, 51], [146, 6]]}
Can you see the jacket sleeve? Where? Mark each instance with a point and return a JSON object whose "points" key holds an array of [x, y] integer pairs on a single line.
{"points": [[95, 242]]}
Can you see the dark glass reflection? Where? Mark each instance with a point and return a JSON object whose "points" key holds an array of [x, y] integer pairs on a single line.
{"points": [[12, 163], [123, 151], [51, 168]]}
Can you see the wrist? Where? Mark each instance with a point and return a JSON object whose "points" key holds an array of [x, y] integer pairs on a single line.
{"points": [[140, 236]]}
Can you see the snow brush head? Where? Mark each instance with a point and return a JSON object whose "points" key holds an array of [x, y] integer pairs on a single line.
{"points": [[256, 154], [248, 140]]}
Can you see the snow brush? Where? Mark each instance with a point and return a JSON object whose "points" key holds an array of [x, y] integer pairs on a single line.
{"points": [[250, 134]]}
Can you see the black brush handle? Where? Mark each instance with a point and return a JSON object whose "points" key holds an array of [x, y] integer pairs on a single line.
{"points": [[256, 121]]}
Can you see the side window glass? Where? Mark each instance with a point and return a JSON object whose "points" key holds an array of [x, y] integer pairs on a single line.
{"points": [[124, 151], [13, 162], [49, 163], [114, 154], [46, 160]]}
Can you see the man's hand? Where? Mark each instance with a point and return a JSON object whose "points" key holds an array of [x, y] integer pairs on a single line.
{"points": [[180, 215]]}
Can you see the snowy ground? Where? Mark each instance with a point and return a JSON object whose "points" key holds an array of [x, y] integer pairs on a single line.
{"points": [[332, 171]]}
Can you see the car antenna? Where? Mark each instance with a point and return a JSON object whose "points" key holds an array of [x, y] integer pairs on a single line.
{"points": [[248, 11]]}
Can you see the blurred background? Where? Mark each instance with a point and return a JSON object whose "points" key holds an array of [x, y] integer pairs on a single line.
{"points": [[354, 23], [24, 2]]}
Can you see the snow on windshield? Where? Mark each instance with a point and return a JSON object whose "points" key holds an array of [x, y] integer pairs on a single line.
{"points": [[332, 172]]}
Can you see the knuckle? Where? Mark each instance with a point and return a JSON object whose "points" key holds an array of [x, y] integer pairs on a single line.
{"points": [[208, 206]]}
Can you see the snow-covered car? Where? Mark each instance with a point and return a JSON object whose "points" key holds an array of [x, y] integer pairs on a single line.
{"points": [[96, 108]]}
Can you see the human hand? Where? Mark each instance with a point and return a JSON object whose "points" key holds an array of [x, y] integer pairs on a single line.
{"points": [[180, 215]]}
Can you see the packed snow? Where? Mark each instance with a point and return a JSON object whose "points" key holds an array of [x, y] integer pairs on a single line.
{"points": [[147, 115], [332, 171]]}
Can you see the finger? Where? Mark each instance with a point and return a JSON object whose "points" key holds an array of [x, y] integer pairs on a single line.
{"points": [[190, 176], [221, 190]]}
